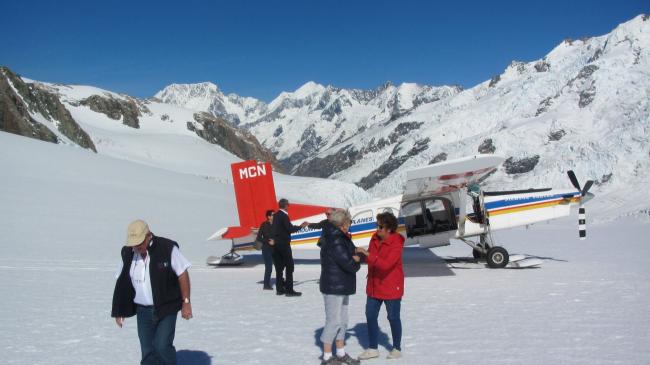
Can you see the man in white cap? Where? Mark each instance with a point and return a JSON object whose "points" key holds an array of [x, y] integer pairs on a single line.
{"points": [[153, 283]]}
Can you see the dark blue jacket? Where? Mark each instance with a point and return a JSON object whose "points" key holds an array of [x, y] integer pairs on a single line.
{"points": [[338, 269]]}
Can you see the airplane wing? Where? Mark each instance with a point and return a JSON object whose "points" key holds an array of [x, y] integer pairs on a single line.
{"points": [[448, 176]]}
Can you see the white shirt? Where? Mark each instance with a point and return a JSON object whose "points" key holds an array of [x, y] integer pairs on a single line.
{"points": [[141, 278]]}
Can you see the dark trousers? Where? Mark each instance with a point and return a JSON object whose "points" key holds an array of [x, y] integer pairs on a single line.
{"points": [[267, 254], [372, 313], [156, 337], [283, 259]]}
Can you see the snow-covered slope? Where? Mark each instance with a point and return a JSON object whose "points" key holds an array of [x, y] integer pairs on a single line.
{"points": [[155, 134]]}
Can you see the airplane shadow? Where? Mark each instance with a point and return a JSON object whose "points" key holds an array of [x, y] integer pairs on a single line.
{"points": [[252, 260], [192, 357], [360, 332], [422, 262], [418, 262], [545, 258]]}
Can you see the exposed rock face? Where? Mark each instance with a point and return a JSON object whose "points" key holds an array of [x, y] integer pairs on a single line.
{"points": [[495, 80], [604, 179], [15, 119], [520, 166], [556, 135], [236, 141], [15, 114], [542, 66], [115, 109], [324, 167], [487, 146], [403, 129], [392, 164], [438, 158], [544, 105]]}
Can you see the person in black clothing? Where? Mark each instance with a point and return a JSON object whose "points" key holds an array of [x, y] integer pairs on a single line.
{"points": [[338, 280], [322, 224], [153, 283], [281, 231], [264, 236]]}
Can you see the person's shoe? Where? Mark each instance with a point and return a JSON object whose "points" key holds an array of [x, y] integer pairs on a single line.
{"points": [[369, 354], [279, 291], [346, 359], [394, 354], [332, 361], [268, 287], [293, 293]]}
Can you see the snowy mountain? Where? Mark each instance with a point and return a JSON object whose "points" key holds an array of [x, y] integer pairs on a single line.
{"points": [[144, 131], [584, 106], [207, 97]]}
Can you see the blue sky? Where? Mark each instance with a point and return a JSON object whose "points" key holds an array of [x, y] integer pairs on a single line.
{"points": [[261, 48]]}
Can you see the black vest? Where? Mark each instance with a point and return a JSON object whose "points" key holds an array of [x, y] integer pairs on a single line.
{"points": [[164, 282]]}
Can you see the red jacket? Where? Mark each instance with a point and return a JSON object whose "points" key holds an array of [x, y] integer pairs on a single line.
{"points": [[385, 269]]}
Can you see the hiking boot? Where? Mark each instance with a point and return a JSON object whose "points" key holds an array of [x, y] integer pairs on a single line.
{"points": [[332, 361], [293, 293], [369, 354], [346, 359], [394, 354]]}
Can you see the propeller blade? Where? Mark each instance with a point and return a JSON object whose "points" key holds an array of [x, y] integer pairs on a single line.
{"points": [[587, 186], [574, 180]]}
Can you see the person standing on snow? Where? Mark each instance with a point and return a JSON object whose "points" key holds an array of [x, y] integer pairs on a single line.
{"points": [[264, 236], [153, 284], [385, 283], [282, 255], [338, 280]]}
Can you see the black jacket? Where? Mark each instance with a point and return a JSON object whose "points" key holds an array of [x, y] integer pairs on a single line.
{"points": [[338, 269], [164, 282], [282, 229], [264, 233]]}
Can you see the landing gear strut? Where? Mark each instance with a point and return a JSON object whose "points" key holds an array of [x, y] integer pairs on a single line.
{"points": [[497, 257]]}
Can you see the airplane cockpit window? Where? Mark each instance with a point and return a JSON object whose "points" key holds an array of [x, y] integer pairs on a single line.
{"points": [[388, 210], [429, 216], [439, 213]]}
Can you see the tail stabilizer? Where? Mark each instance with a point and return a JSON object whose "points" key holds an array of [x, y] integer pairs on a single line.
{"points": [[254, 191], [254, 194]]}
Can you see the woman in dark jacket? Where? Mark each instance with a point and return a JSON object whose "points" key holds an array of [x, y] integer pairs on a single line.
{"points": [[264, 236], [338, 280]]}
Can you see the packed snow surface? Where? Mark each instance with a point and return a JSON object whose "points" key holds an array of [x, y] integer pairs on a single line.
{"points": [[64, 214]]}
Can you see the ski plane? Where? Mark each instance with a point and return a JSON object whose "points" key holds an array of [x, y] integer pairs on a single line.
{"points": [[440, 202]]}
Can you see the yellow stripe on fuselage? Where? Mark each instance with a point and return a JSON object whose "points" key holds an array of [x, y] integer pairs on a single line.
{"points": [[529, 207]]}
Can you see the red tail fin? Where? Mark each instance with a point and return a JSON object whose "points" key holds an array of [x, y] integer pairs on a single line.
{"points": [[254, 191]]}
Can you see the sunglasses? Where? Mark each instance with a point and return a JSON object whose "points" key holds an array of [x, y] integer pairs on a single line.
{"points": [[380, 227]]}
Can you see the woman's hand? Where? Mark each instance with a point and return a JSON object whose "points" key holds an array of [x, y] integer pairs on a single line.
{"points": [[356, 258]]}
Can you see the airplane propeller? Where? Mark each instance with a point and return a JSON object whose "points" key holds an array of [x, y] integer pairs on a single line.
{"points": [[582, 220]]}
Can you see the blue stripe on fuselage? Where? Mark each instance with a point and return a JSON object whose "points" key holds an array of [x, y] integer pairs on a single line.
{"points": [[520, 201]]}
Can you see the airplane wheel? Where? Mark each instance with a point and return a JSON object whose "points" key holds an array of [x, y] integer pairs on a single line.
{"points": [[497, 257], [477, 254]]}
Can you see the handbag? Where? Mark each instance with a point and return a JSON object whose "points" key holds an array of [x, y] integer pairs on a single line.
{"points": [[258, 245]]}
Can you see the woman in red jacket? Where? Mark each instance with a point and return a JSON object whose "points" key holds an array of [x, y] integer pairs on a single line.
{"points": [[385, 283]]}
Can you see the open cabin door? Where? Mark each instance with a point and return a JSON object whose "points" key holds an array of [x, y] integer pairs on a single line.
{"points": [[429, 222]]}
